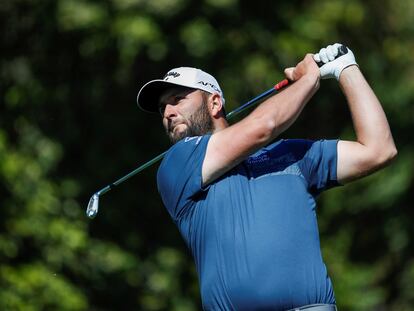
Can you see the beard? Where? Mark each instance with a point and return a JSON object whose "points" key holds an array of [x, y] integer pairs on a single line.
{"points": [[198, 124]]}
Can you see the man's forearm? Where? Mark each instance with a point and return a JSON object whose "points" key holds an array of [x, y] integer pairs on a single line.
{"points": [[374, 146], [370, 123], [283, 109]]}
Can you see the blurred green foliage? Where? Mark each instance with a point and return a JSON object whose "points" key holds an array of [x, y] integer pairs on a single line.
{"points": [[70, 71]]}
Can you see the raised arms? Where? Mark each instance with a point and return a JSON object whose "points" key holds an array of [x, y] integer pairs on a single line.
{"points": [[373, 148]]}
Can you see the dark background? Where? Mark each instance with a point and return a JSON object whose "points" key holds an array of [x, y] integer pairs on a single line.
{"points": [[70, 71]]}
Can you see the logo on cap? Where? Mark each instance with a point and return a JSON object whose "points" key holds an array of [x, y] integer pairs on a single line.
{"points": [[210, 85], [173, 74]]}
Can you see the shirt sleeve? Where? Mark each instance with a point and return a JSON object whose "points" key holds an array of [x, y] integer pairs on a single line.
{"points": [[319, 164], [179, 176]]}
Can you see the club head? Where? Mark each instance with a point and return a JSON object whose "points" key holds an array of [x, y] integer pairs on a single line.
{"points": [[93, 206]]}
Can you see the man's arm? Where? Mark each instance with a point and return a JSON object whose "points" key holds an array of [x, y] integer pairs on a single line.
{"points": [[374, 146], [232, 145]]}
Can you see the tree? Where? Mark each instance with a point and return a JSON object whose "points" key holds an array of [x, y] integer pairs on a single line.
{"points": [[70, 71]]}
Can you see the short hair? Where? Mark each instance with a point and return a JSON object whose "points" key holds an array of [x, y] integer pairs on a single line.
{"points": [[206, 95]]}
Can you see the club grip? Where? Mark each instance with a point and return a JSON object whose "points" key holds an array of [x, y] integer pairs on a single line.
{"points": [[341, 51]]}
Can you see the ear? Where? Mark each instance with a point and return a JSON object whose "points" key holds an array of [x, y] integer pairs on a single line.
{"points": [[215, 104]]}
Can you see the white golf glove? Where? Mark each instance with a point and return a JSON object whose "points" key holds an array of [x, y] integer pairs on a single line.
{"points": [[334, 66]]}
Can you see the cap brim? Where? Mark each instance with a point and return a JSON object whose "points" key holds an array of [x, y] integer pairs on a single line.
{"points": [[149, 95]]}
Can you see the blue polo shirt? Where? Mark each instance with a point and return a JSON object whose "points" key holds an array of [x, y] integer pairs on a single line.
{"points": [[253, 232]]}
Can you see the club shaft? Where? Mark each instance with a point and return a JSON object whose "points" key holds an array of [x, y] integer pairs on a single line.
{"points": [[342, 51], [92, 208], [258, 98], [229, 116], [134, 172]]}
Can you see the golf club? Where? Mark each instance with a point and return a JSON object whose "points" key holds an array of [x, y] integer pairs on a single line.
{"points": [[93, 205]]}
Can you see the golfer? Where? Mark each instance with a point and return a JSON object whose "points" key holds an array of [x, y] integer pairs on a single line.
{"points": [[245, 203]]}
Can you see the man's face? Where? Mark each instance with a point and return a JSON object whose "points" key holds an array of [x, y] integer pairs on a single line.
{"points": [[185, 113]]}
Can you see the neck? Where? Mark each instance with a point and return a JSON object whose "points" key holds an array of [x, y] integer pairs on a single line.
{"points": [[220, 124]]}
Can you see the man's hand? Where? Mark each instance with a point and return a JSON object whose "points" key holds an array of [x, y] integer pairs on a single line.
{"points": [[333, 67], [307, 67]]}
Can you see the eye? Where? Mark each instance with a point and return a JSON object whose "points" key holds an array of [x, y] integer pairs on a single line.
{"points": [[178, 98], [161, 109]]}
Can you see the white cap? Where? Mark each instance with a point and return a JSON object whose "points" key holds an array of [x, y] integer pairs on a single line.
{"points": [[149, 95]]}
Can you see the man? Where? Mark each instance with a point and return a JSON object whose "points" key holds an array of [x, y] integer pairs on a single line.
{"points": [[246, 209]]}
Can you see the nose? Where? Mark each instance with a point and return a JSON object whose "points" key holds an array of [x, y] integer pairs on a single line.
{"points": [[170, 111]]}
